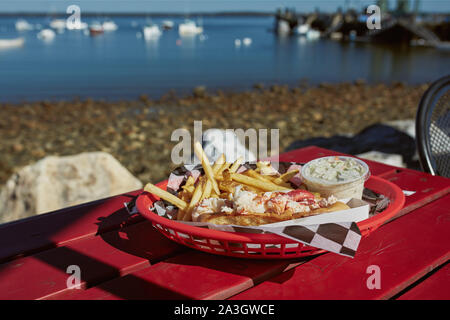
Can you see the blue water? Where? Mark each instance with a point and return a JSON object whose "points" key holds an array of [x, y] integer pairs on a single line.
{"points": [[120, 65]]}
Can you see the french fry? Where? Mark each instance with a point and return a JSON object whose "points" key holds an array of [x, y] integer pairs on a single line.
{"points": [[226, 174], [227, 186], [184, 195], [195, 199], [236, 164], [151, 188], [265, 186], [218, 164], [189, 185], [253, 189], [207, 190], [270, 178], [189, 188], [286, 176], [254, 174], [190, 181], [225, 166], [206, 165]]}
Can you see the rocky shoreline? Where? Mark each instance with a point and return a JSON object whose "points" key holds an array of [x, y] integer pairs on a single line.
{"points": [[137, 133]]}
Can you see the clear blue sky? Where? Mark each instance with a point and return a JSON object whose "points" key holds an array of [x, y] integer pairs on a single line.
{"points": [[186, 6]]}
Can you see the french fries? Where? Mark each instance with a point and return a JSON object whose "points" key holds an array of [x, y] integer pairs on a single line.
{"points": [[220, 181], [266, 186], [286, 176], [206, 165], [254, 174], [236, 164], [151, 188]]}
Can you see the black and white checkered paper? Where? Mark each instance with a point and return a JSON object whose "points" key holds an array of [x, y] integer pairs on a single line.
{"points": [[342, 238]]}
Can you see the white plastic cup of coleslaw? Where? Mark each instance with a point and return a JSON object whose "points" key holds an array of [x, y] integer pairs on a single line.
{"points": [[340, 176]]}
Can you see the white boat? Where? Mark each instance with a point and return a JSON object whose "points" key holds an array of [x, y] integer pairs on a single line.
{"points": [[247, 41], [78, 26], [283, 28], [23, 25], [46, 34], [305, 30], [189, 28], [11, 43], [313, 34], [95, 29], [167, 24], [109, 26], [151, 32], [58, 24], [302, 30]]}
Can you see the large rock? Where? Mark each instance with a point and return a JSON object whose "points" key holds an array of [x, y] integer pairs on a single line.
{"points": [[57, 182]]}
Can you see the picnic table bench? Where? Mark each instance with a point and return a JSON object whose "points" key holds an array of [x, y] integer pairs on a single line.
{"points": [[121, 256]]}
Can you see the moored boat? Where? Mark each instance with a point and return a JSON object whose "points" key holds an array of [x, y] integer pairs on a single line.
{"points": [[12, 43], [95, 29], [109, 26], [58, 24], [23, 25], [167, 24], [46, 34], [189, 28], [151, 32]]}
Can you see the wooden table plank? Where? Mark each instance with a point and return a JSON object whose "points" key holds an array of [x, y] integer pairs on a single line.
{"points": [[42, 232], [192, 275], [100, 258], [405, 250], [436, 287], [427, 188]]}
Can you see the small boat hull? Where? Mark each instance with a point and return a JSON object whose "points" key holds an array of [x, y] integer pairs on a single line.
{"points": [[11, 43]]}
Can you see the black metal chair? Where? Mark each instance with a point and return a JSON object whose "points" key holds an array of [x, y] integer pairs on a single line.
{"points": [[433, 128]]}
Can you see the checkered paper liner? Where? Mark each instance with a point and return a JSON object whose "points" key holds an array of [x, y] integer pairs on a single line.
{"points": [[339, 237]]}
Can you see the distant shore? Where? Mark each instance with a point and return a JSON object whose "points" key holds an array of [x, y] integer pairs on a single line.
{"points": [[144, 14], [137, 132]]}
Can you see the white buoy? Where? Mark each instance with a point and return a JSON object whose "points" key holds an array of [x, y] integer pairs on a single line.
{"points": [[237, 42]]}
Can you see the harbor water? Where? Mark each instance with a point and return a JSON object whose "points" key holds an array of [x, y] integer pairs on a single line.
{"points": [[121, 64]]}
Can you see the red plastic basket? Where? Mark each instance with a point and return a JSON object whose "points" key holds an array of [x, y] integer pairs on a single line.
{"points": [[259, 246]]}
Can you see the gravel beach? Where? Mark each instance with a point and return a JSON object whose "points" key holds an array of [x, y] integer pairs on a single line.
{"points": [[138, 132]]}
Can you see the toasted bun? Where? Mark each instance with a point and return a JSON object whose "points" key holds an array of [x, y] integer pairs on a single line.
{"points": [[338, 206], [256, 219]]}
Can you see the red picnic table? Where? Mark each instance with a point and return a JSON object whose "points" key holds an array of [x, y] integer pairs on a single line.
{"points": [[121, 256]]}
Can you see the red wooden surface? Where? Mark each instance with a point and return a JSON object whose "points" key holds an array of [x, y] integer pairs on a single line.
{"points": [[122, 257], [100, 258], [405, 250], [427, 188], [192, 275], [56, 228], [436, 287]]}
